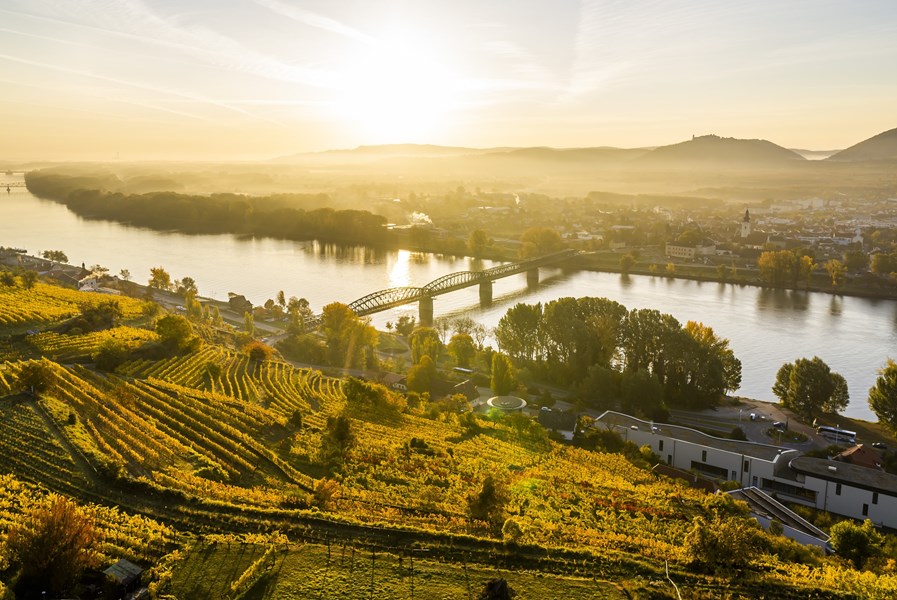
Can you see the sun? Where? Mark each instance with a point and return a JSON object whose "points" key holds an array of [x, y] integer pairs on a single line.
{"points": [[396, 90]]}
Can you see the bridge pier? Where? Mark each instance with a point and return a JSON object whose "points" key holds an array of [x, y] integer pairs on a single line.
{"points": [[486, 293], [425, 311], [532, 277]]}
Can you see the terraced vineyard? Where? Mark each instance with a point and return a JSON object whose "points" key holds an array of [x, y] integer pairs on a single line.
{"points": [[67, 348], [49, 303], [28, 449]]}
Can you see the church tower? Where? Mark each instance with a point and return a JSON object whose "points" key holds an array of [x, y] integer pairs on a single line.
{"points": [[746, 224]]}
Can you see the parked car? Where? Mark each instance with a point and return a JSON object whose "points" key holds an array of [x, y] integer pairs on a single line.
{"points": [[779, 424], [879, 445]]}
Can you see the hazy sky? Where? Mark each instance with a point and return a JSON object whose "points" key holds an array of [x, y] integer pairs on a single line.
{"points": [[240, 79]]}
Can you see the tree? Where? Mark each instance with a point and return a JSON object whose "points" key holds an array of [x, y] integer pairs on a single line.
{"points": [[159, 279], [856, 260], [425, 342], [836, 271], [883, 395], [503, 380], [367, 395], [300, 313], [497, 589], [805, 268], [249, 323], [855, 542], [186, 286], [281, 299], [7, 278], [338, 439], [884, 264], [110, 354], [537, 241], [55, 256], [488, 504], [53, 544], [420, 376], [175, 333], [258, 351], [807, 386], [405, 325], [350, 341], [641, 393], [99, 270], [519, 330], [714, 370], [462, 348], [29, 278], [840, 397], [776, 267], [125, 274], [36, 377], [102, 315], [626, 262], [478, 242]]}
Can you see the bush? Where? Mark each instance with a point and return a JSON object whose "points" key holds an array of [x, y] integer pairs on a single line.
{"points": [[53, 545]]}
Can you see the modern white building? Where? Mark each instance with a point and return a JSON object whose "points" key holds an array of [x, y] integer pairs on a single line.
{"points": [[833, 486]]}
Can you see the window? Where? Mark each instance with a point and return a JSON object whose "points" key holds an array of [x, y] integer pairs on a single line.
{"points": [[703, 456], [747, 465], [838, 489], [865, 510], [874, 497], [734, 475], [754, 481], [660, 446]]}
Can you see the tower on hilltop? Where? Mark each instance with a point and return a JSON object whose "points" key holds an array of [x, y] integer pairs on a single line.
{"points": [[746, 224]]}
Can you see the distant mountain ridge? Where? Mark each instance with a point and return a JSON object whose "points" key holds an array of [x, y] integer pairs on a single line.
{"points": [[879, 147], [716, 149], [705, 149]]}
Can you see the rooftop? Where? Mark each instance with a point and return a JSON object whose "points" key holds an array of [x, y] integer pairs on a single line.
{"points": [[752, 449], [763, 504], [841, 472], [124, 571]]}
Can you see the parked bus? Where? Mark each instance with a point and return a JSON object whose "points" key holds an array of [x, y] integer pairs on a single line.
{"points": [[836, 434]]}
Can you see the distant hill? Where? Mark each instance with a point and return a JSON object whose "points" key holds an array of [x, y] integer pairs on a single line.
{"points": [[880, 147], [720, 150]]}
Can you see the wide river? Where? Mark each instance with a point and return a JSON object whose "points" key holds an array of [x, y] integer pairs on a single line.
{"points": [[766, 328]]}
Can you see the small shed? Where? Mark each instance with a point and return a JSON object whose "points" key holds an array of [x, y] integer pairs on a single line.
{"points": [[125, 574]]}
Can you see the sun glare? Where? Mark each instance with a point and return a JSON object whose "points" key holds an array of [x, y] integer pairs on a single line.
{"points": [[396, 90]]}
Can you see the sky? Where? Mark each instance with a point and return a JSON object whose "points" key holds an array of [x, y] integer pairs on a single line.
{"points": [[256, 79]]}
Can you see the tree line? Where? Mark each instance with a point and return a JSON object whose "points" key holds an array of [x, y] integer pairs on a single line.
{"points": [[216, 213], [640, 359]]}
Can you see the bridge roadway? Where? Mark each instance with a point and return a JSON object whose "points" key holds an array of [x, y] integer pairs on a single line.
{"points": [[400, 296]]}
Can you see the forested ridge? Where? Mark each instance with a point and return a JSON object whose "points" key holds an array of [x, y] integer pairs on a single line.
{"points": [[272, 216]]}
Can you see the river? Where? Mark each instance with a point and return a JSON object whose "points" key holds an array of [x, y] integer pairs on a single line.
{"points": [[766, 328]]}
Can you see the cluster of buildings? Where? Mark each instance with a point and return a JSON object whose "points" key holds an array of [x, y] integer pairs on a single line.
{"points": [[851, 486]]}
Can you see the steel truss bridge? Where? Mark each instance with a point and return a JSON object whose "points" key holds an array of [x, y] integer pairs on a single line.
{"points": [[400, 296]]}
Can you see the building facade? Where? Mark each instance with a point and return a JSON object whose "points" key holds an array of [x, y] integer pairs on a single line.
{"points": [[837, 487]]}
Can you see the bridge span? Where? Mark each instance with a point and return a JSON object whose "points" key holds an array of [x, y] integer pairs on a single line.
{"points": [[400, 296]]}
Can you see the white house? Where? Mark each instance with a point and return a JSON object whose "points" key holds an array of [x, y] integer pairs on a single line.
{"points": [[834, 486], [748, 463]]}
